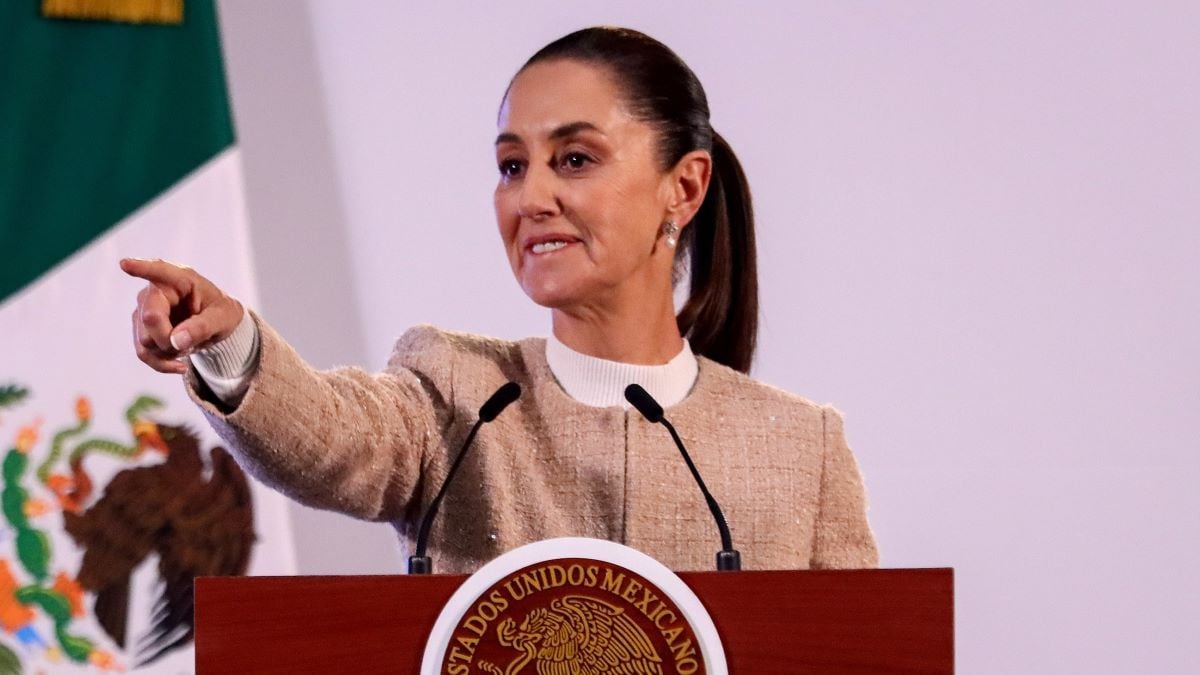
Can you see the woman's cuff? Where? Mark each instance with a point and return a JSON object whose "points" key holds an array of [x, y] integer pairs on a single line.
{"points": [[227, 366]]}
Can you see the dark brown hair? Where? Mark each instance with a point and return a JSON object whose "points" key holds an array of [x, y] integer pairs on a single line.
{"points": [[720, 317]]}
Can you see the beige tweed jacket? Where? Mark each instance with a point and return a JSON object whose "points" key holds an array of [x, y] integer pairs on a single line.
{"points": [[377, 446]]}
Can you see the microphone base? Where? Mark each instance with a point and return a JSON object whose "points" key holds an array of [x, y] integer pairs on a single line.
{"points": [[420, 565], [727, 561]]}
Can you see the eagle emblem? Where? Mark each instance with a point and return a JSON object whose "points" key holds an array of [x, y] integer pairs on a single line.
{"points": [[195, 516], [577, 635]]}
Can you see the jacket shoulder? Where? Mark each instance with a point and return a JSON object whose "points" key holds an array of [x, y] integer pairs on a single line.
{"points": [[459, 361], [426, 338], [739, 388]]}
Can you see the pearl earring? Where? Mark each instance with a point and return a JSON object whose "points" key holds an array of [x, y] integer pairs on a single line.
{"points": [[671, 230]]}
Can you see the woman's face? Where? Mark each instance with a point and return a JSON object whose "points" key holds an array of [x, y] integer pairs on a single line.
{"points": [[581, 197]]}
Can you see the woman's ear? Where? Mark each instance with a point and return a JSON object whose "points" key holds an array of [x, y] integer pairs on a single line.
{"points": [[689, 184]]}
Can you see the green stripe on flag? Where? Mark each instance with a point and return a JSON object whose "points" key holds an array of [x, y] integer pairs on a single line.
{"points": [[96, 119]]}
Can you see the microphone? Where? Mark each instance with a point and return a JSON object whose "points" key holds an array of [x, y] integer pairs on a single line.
{"points": [[504, 396], [500, 400], [728, 559]]}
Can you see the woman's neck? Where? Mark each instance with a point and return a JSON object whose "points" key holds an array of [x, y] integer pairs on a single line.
{"points": [[645, 335]]}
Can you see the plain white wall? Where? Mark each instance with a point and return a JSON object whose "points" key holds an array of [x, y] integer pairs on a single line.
{"points": [[979, 237], [302, 254]]}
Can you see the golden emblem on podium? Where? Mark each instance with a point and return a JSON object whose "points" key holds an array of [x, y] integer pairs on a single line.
{"points": [[574, 607], [577, 634]]}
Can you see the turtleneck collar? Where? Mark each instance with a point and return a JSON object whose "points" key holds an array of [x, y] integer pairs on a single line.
{"points": [[599, 382]]}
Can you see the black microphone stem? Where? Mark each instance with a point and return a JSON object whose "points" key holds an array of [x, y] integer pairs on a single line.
{"points": [[419, 563], [718, 515], [427, 521], [728, 559]]}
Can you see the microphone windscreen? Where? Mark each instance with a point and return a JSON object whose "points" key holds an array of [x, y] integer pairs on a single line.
{"points": [[644, 402], [499, 401]]}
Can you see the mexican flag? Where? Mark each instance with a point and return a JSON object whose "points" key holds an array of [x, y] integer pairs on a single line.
{"points": [[116, 140]]}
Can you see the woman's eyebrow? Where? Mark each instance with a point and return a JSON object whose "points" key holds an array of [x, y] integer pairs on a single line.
{"points": [[563, 131], [572, 129]]}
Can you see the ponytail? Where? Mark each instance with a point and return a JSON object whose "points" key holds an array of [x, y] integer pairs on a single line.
{"points": [[720, 317]]}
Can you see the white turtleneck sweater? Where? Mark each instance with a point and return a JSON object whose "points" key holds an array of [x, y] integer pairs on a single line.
{"points": [[228, 365]]}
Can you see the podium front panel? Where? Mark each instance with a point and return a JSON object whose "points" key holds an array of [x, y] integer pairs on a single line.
{"points": [[770, 622]]}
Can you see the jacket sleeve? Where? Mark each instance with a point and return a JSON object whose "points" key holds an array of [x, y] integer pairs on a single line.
{"points": [[842, 538], [343, 439]]}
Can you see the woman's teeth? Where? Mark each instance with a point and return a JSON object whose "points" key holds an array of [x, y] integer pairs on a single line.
{"points": [[546, 247]]}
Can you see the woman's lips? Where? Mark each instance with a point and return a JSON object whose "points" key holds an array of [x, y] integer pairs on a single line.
{"points": [[548, 247]]}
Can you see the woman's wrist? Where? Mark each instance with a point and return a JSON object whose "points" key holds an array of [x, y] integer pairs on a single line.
{"points": [[226, 365]]}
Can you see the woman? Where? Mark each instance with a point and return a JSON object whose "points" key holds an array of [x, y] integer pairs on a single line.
{"points": [[612, 182]]}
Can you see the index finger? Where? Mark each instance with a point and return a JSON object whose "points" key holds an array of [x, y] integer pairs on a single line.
{"points": [[159, 273]]}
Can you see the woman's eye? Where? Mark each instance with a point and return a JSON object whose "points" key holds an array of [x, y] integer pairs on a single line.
{"points": [[510, 168], [574, 161]]}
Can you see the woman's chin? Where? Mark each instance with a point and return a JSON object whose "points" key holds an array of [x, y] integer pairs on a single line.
{"points": [[549, 293]]}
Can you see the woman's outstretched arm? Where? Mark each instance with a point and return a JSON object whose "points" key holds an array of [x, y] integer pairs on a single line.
{"points": [[343, 439]]}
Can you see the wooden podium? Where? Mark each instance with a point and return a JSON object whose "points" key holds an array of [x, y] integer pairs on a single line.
{"points": [[770, 622]]}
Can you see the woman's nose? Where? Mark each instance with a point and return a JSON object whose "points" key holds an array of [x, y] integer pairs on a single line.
{"points": [[538, 198]]}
